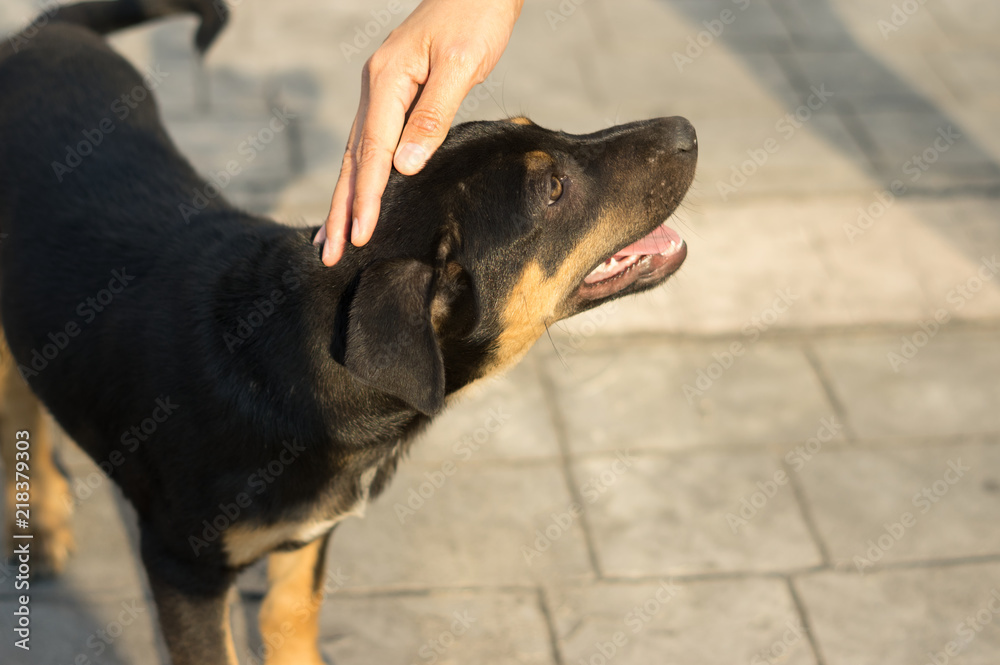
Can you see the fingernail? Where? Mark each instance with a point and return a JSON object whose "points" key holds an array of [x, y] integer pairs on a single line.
{"points": [[357, 233], [327, 252], [412, 156]]}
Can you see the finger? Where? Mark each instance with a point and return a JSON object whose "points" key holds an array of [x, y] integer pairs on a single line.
{"points": [[336, 229], [430, 119], [338, 222], [379, 136]]}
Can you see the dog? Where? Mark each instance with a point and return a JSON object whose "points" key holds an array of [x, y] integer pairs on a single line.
{"points": [[225, 332]]}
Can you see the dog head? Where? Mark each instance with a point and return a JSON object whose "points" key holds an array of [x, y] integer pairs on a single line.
{"points": [[509, 228]]}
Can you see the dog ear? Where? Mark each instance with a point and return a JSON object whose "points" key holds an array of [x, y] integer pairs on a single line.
{"points": [[391, 344], [455, 310]]}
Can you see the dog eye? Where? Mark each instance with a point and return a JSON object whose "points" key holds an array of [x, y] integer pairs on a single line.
{"points": [[555, 189]]}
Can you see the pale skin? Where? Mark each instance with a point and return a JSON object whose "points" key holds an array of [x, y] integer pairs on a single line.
{"points": [[441, 50]]}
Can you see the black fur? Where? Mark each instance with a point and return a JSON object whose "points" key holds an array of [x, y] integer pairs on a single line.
{"points": [[233, 319]]}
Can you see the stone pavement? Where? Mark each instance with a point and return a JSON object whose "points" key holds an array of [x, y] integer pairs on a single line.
{"points": [[788, 454]]}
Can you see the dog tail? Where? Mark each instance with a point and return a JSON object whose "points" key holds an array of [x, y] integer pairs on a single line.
{"points": [[104, 16]]}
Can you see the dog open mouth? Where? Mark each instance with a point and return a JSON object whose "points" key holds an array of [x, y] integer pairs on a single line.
{"points": [[651, 259]]}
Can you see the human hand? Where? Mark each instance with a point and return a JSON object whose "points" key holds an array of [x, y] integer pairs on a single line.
{"points": [[446, 47]]}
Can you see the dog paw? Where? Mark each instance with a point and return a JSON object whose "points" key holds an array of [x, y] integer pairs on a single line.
{"points": [[52, 541], [52, 549]]}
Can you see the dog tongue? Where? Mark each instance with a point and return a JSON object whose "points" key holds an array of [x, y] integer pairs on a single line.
{"points": [[662, 240]]}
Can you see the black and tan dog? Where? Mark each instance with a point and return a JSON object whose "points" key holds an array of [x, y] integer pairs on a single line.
{"points": [[191, 354]]}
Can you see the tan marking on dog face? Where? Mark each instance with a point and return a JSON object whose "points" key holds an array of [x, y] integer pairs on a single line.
{"points": [[520, 120], [537, 300], [536, 160]]}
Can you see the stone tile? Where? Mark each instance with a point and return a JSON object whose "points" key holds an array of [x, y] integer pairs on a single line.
{"points": [[265, 37], [726, 282], [951, 245], [506, 418], [968, 22], [978, 120], [676, 516], [940, 392], [859, 78], [859, 500], [814, 26], [870, 275], [900, 260], [768, 396], [259, 152], [15, 16], [904, 136], [906, 616], [871, 22], [819, 157], [261, 158], [973, 76], [466, 627], [753, 26], [739, 621], [715, 84], [470, 531], [83, 630], [305, 201]]}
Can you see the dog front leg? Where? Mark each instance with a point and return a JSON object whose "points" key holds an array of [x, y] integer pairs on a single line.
{"points": [[289, 616], [192, 601], [40, 494]]}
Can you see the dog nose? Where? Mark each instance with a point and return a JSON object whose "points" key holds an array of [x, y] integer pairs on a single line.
{"points": [[680, 135]]}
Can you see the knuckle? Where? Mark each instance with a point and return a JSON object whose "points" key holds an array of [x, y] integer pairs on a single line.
{"points": [[369, 149], [428, 121], [462, 60], [377, 63], [347, 164]]}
